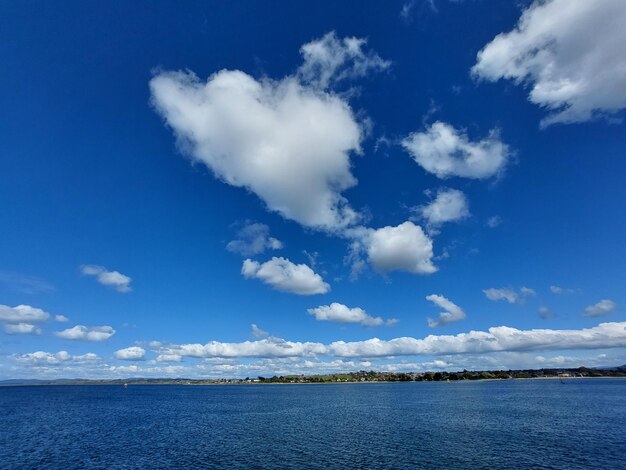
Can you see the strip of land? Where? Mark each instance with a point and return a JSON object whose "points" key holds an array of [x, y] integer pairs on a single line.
{"points": [[349, 377]]}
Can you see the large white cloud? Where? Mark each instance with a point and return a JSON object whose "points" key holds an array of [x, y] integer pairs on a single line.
{"points": [[451, 311], [283, 275], [22, 319], [22, 328], [285, 141], [22, 314], [448, 206], [571, 53], [496, 339], [253, 239], [132, 353], [42, 358], [341, 313], [445, 151], [404, 247], [118, 281], [87, 333], [603, 307], [169, 358], [330, 59]]}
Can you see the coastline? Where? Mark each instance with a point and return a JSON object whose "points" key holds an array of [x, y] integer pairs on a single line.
{"points": [[205, 384]]}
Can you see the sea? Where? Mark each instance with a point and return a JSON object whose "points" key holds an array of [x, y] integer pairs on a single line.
{"points": [[508, 424]]}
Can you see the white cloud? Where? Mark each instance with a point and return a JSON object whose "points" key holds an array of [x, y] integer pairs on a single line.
{"points": [[22, 328], [445, 151], [169, 358], [118, 281], [22, 319], [133, 353], [61, 318], [501, 294], [510, 295], [258, 332], [495, 339], [283, 275], [329, 60], [451, 313], [286, 141], [561, 290], [42, 358], [604, 307], [340, 313], [448, 206], [22, 314], [85, 333], [131, 369], [404, 247], [493, 222], [571, 53], [254, 239]]}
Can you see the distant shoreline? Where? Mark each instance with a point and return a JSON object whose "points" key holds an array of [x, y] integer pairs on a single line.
{"points": [[361, 377], [247, 384]]}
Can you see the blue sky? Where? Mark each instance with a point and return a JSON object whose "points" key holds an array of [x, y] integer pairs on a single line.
{"points": [[172, 175]]}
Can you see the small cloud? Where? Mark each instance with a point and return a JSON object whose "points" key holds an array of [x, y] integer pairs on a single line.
{"points": [[451, 313], [84, 333], [22, 328], [445, 152], [404, 247], [118, 281], [561, 290], [330, 59], [545, 312], [408, 8], [450, 205], [22, 319], [133, 353], [258, 332], [509, 295], [45, 359], [169, 358], [312, 257], [254, 239], [283, 275], [61, 318], [340, 313], [604, 307], [493, 222], [131, 369]]}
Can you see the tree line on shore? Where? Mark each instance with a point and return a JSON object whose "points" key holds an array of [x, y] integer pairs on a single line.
{"points": [[350, 377], [444, 376]]}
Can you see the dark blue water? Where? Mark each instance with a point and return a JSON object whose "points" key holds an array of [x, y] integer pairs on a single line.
{"points": [[504, 424]]}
